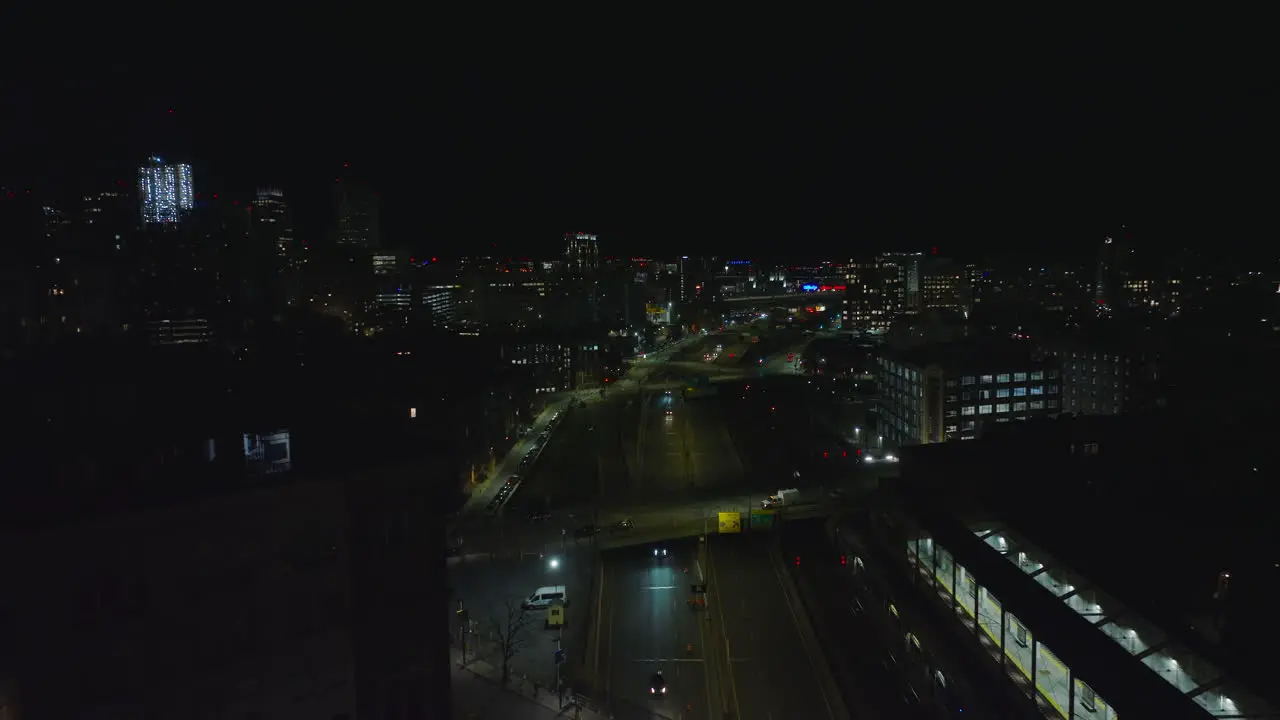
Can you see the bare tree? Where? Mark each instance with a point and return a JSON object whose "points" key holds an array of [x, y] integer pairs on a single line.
{"points": [[511, 627]]}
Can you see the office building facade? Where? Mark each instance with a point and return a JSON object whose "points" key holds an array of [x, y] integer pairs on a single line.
{"points": [[582, 252], [165, 191], [949, 391]]}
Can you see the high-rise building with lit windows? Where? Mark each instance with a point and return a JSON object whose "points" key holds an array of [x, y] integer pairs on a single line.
{"points": [[582, 251], [272, 224], [164, 191]]}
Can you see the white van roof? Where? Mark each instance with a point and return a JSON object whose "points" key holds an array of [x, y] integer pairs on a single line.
{"points": [[550, 590]]}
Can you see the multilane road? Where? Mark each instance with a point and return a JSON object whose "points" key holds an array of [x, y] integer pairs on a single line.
{"points": [[668, 463], [747, 652]]}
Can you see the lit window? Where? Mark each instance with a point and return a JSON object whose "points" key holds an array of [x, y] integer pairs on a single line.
{"points": [[966, 380], [1002, 378], [966, 410], [1002, 393], [1037, 404], [984, 409], [1020, 392], [986, 379], [1037, 389], [1037, 375], [1019, 406], [1002, 407]]}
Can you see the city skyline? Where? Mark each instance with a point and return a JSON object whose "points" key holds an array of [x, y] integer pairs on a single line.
{"points": [[977, 155]]}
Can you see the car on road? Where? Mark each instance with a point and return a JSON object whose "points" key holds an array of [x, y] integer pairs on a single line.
{"points": [[586, 531], [657, 684], [659, 552]]}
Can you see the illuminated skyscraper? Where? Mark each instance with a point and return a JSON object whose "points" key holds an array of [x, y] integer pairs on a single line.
{"points": [[164, 191], [582, 251]]}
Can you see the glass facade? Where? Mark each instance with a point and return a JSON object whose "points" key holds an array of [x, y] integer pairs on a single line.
{"points": [[164, 191]]}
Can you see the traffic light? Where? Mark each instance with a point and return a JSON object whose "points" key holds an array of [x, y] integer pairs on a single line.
{"points": [[844, 560], [797, 561]]}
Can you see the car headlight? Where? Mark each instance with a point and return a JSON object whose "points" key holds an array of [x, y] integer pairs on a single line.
{"points": [[664, 691], [652, 691], [655, 552]]}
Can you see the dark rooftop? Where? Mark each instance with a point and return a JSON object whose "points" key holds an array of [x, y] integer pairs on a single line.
{"points": [[972, 354]]}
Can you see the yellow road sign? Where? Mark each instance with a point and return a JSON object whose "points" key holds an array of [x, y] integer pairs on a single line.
{"points": [[730, 522], [555, 615]]}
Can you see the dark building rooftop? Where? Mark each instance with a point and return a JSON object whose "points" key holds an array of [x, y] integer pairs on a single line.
{"points": [[971, 354]]}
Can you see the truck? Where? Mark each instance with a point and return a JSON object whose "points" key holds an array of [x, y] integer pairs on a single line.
{"points": [[784, 496]]}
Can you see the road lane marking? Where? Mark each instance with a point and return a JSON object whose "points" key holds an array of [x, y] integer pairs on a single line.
{"points": [[665, 660], [808, 651], [599, 613], [608, 658], [698, 566], [733, 683], [659, 587]]}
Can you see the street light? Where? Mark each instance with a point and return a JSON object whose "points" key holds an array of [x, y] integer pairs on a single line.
{"points": [[553, 563]]}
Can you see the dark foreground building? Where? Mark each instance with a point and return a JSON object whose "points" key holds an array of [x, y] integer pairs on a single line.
{"points": [[167, 554], [303, 598], [1108, 566]]}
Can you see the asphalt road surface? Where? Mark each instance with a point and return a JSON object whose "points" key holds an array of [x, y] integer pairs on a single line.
{"points": [[646, 626], [775, 671], [679, 449]]}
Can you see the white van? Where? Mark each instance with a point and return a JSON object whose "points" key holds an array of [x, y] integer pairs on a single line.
{"points": [[544, 597]]}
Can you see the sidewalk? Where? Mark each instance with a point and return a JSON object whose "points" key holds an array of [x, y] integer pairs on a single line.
{"points": [[511, 462], [477, 695]]}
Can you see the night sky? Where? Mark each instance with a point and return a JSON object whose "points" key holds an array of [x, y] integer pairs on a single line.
{"points": [[904, 139]]}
